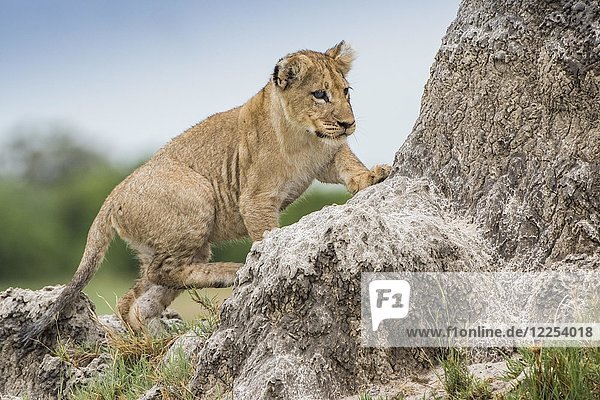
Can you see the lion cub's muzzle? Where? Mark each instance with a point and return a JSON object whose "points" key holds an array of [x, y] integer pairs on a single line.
{"points": [[336, 130]]}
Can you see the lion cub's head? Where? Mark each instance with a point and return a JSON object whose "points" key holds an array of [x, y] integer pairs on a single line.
{"points": [[314, 92]]}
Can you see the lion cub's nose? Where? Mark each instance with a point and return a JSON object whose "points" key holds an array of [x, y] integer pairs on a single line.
{"points": [[345, 124]]}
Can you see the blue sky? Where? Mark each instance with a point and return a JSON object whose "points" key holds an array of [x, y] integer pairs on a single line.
{"points": [[130, 75]]}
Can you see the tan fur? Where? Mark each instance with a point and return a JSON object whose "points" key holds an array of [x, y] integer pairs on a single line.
{"points": [[230, 176]]}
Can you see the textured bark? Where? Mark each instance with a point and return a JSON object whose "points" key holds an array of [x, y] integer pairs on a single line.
{"points": [[509, 126], [501, 171]]}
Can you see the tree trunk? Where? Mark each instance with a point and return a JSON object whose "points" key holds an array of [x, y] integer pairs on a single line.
{"points": [[509, 127]]}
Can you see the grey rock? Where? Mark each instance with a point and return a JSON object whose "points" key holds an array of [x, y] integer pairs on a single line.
{"points": [[291, 327], [113, 323], [429, 386], [186, 346], [34, 371], [168, 319], [493, 374]]}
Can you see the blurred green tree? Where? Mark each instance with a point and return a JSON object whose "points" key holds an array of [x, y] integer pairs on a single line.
{"points": [[51, 188], [46, 156]]}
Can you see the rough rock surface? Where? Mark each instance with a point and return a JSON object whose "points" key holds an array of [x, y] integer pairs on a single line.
{"points": [[38, 371], [501, 171], [291, 328], [34, 371], [429, 386]]}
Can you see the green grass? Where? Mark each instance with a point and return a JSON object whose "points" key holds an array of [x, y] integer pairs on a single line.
{"points": [[568, 373], [457, 380], [122, 380], [545, 374]]}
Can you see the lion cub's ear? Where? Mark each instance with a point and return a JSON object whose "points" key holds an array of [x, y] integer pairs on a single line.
{"points": [[289, 69], [343, 54]]}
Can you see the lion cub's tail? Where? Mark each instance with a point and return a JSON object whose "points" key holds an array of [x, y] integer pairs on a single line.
{"points": [[98, 240]]}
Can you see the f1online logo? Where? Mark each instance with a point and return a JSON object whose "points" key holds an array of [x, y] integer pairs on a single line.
{"points": [[389, 299]]}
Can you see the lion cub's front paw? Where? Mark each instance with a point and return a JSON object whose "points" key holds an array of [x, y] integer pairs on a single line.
{"points": [[380, 172], [367, 178]]}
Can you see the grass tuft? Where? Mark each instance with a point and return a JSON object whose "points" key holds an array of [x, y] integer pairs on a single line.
{"points": [[140, 361], [560, 373], [458, 382]]}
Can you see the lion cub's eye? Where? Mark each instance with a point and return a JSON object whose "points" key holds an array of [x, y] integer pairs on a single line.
{"points": [[320, 95]]}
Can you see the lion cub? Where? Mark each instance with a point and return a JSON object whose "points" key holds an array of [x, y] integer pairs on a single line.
{"points": [[227, 177]]}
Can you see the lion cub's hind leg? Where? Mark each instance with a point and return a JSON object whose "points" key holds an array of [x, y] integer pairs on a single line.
{"points": [[141, 307], [163, 278], [162, 281]]}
